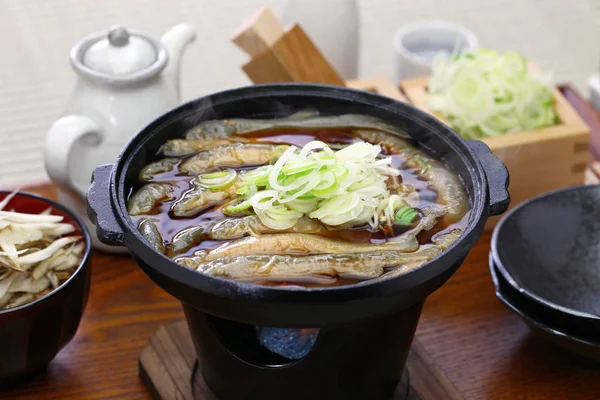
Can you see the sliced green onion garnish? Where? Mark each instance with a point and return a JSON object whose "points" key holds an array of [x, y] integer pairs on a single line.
{"points": [[215, 175], [307, 196], [339, 170], [324, 158], [217, 180], [258, 172], [279, 217], [264, 199], [312, 146], [303, 206], [335, 187], [405, 215], [299, 167], [236, 206], [327, 185], [247, 190]]}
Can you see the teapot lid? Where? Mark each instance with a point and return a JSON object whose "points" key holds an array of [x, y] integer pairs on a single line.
{"points": [[119, 56]]}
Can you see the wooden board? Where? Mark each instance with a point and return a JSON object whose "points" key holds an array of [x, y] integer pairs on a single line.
{"points": [[539, 160], [168, 367]]}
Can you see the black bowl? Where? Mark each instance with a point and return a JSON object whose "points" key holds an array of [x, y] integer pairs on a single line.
{"points": [[548, 249], [586, 346], [31, 335], [371, 323]]}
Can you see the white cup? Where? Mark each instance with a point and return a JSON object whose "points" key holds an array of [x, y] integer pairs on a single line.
{"points": [[418, 43]]}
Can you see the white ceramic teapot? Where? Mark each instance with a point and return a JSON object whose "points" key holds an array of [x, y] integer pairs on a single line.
{"points": [[126, 79]]}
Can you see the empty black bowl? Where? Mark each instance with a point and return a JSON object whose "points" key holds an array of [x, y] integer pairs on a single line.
{"points": [[581, 346], [548, 249], [31, 335]]}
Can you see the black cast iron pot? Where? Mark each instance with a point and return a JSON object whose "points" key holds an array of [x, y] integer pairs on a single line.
{"points": [[371, 323]]}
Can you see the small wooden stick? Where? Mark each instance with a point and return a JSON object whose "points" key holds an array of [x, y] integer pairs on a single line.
{"points": [[292, 58], [266, 68], [258, 32]]}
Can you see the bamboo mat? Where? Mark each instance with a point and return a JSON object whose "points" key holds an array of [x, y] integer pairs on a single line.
{"points": [[37, 35]]}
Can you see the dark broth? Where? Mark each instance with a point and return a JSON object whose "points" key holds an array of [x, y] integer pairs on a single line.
{"points": [[169, 225]]}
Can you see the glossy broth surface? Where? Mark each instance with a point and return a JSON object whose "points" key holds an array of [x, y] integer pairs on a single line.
{"points": [[170, 226]]}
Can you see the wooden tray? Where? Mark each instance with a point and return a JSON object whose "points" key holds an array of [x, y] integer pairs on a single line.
{"points": [[539, 160], [168, 367], [380, 85]]}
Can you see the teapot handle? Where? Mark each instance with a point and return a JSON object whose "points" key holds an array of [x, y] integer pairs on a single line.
{"points": [[59, 142]]}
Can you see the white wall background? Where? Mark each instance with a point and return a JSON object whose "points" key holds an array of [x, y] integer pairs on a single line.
{"points": [[36, 36]]}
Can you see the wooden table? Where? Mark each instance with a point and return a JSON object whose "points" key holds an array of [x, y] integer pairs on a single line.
{"points": [[482, 347]]}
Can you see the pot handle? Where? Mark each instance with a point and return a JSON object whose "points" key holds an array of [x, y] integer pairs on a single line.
{"points": [[496, 174], [100, 210]]}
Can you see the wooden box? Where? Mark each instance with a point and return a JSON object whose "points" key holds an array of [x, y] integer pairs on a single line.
{"points": [[539, 160], [379, 85]]}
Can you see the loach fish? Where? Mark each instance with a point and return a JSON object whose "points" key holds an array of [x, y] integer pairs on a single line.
{"points": [[230, 190], [151, 233], [430, 217], [214, 129], [230, 155], [393, 143], [210, 130], [441, 242], [242, 126], [148, 196], [187, 147], [302, 244], [235, 228], [280, 267], [450, 191], [449, 188], [158, 167], [197, 200], [189, 237]]}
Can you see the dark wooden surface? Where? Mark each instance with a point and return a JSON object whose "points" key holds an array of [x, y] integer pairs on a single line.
{"points": [[168, 367], [486, 351]]}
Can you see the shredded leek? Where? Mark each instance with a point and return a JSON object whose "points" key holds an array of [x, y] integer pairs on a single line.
{"points": [[217, 180], [482, 93], [236, 206], [343, 187]]}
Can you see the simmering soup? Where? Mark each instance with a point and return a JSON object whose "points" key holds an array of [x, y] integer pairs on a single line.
{"points": [[303, 200]]}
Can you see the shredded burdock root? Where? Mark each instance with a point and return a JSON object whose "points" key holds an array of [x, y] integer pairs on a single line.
{"points": [[35, 255]]}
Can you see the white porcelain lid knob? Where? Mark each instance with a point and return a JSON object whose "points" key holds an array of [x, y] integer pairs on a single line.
{"points": [[120, 53], [118, 36]]}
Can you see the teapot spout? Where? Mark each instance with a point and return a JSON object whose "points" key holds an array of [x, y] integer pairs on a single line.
{"points": [[175, 41]]}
